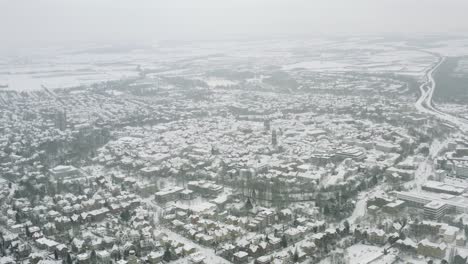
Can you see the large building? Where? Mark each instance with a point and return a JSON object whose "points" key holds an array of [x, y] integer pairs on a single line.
{"points": [[205, 188], [435, 210], [168, 194], [62, 172], [60, 120], [460, 168], [266, 124], [458, 204], [274, 138], [440, 187], [353, 153]]}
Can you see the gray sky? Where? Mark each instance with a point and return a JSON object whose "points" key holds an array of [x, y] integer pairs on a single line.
{"points": [[26, 23]]}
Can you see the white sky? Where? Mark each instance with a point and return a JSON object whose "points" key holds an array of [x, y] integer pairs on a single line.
{"points": [[32, 23]]}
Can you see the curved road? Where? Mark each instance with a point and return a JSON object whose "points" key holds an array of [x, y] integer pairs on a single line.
{"points": [[425, 104]]}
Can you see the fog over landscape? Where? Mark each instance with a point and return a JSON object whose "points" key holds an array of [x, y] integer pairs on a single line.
{"points": [[27, 23], [246, 131]]}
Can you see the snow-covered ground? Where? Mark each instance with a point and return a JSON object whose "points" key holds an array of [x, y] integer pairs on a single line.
{"points": [[66, 68], [425, 168], [209, 253], [363, 254], [360, 208], [213, 82]]}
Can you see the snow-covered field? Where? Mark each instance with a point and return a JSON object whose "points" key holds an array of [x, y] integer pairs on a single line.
{"points": [[63, 68], [362, 254], [213, 82], [407, 62], [27, 82]]}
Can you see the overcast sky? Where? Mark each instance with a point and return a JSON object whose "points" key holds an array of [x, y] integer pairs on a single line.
{"points": [[28, 23]]}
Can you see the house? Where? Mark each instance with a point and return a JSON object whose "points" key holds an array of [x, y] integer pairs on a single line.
{"points": [[188, 249], [155, 257], [220, 201], [292, 235], [18, 228], [285, 214], [449, 233], [254, 250], [221, 235], [150, 171], [263, 260], [77, 245], [23, 250], [377, 236], [205, 239], [460, 240], [301, 256], [435, 250], [318, 238], [181, 215], [316, 226], [62, 250], [178, 225], [308, 247], [168, 194], [227, 251], [83, 258], [426, 227], [254, 226], [103, 257], [45, 243], [33, 230], [406, 245], [179, 251], [108, 242], [187, 194], [269, 216], [197, 258], [240, 257], [460, 256]]}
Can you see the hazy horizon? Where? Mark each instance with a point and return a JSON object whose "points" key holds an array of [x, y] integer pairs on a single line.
{"points": [[45, 23]]}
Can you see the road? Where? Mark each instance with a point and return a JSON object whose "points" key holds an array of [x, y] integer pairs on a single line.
{"points": [[210, 255], [425, 102], [360, 208], [425, 105]]}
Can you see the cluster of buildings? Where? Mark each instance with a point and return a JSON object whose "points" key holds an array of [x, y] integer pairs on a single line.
{"points": [[171, 169]]}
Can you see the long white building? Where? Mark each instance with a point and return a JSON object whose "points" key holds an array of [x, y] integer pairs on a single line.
{"points": [[420, 199]]}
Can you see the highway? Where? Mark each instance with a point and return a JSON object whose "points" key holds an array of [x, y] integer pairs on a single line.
{"points": [[425, 103]]}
